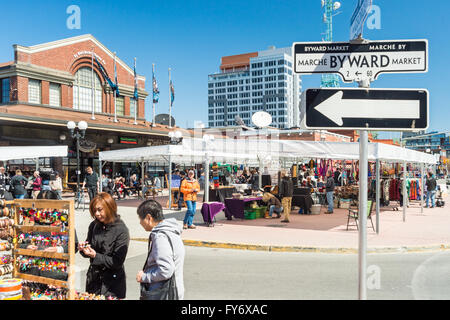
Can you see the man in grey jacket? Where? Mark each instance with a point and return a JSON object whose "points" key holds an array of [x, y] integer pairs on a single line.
{"points": [[162, 262]]}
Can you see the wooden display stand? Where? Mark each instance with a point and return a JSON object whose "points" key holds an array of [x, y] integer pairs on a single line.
{"points": [[70, 230], [174, 200], [9, 204]]}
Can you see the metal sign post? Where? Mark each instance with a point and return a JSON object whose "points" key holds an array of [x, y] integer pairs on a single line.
{"points": [[377, 193], [362, 216]]}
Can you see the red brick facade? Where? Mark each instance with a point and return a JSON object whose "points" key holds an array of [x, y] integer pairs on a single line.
{"points": [[65, 58]]}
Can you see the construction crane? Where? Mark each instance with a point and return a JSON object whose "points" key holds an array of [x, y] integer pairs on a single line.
{"points": [[329, 6]]}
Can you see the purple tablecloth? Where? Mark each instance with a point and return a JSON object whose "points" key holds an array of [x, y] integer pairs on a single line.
{"points": [[235, 207], [210, 210]]}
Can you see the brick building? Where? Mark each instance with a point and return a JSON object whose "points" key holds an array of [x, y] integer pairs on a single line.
{"points": [[49, 84]]}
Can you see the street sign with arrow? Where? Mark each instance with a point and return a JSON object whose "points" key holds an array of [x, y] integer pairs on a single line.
{"points": [[371, 109]]}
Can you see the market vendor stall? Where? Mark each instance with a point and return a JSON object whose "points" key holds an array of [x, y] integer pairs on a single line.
{"points": [[236, 207], [210, 210]]}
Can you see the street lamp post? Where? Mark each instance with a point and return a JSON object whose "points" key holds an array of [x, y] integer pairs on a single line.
{"points": [[77, 132]]}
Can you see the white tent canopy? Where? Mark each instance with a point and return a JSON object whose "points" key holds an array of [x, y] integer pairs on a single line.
{"points": [[252, 150], [32, 152], [186, 153]]}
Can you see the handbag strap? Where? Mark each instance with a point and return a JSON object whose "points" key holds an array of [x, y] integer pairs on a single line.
{"points": [[150, 247]]}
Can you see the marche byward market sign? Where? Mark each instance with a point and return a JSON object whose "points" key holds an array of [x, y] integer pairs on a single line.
{"points": [[361, 61], [373, 109]]}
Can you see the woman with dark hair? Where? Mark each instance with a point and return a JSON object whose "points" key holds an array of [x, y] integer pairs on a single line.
{"points": [[165, 258], [106, 246]]}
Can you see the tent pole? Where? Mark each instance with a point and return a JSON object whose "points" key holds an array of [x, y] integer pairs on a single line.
{"points": [[100, 176], [142, 179], [405, 200], [260, 172], [206, 191], [170, 182], [377, 194], [422, 187]]}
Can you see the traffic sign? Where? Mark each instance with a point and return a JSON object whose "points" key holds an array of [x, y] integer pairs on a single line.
{"points": [[361, 61], [359, 17], [371, 109]]}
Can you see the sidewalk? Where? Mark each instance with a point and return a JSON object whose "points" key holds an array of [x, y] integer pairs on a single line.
{"points": [[308, 233]]}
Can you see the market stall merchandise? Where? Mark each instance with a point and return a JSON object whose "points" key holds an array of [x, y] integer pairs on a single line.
{"points": [[11, 289], [236, 207], [42, 225], [6, 239]]}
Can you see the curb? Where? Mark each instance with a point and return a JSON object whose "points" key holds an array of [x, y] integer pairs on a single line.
{"points": [[270, 248]]}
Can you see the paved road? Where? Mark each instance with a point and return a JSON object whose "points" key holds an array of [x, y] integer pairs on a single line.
{"points": [[239, 274]]}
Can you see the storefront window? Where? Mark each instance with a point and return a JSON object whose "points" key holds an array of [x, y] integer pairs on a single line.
{"points": [[82, 90]]}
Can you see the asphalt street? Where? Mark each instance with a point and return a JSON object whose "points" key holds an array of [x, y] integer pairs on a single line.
{"points": [[242, 275]]}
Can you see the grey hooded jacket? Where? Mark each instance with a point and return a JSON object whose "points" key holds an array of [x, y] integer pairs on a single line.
{"points": [[162, 263]]}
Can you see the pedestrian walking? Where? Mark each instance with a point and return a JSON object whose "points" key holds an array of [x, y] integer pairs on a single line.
{"points": [[18, 183], [56, 186], [36, 185], [286, 193], [91, 181], [106, 246], [190, 187], [329, 188], [431, 190], [162, 275]]}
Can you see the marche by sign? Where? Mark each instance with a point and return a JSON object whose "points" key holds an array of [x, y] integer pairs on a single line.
{"points": [[361, 61]]}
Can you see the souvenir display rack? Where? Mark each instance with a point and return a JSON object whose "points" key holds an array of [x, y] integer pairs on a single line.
{"points": [[46, 216], [6, 239]]}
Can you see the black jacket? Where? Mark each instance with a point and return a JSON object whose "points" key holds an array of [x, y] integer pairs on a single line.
{"points": [[18, 183], [106, 274], [286, 187], [329, 185], [431, 184]]}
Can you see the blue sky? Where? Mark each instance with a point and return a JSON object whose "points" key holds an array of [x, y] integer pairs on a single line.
{"points": [[191, 36]]}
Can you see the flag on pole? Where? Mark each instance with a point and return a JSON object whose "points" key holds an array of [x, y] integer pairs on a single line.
{"points": [[115, 74], [105, 74], [136, 96], [172, 93], [155, 89]]}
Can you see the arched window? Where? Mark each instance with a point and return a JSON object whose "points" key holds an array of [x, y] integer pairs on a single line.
{"points": [[82, 90]]}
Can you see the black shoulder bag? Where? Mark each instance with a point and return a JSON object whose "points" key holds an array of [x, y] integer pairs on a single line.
{"points": [[168, 290]]}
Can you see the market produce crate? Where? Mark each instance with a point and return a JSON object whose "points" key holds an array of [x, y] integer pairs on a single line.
{"points": [[250, 214], [260, 212]]}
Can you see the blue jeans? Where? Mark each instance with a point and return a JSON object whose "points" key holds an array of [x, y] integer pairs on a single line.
{"points": [[432, 195], [330, 201], [273, 209], [189, 216], [19, 196]]}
